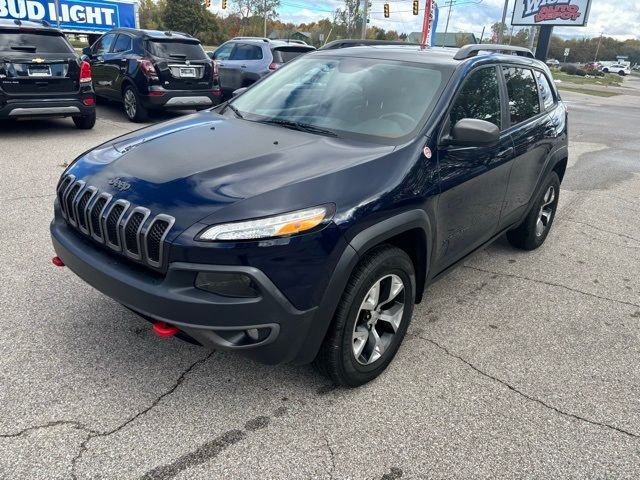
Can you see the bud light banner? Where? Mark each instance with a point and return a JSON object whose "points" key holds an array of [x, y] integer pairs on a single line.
{"points": [[74, 15], [551, 12]]}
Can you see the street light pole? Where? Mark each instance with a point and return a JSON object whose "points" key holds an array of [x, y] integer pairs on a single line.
{"points": [[446, 29], [503, 23], [265, 18], [364, 19], [598, 49]]}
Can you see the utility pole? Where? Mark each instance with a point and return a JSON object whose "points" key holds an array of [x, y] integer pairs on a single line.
{"points": [[265, 18], [364, 19], [57, 3], [595, 59], [482, 35], [446, 29], [503, 23]]}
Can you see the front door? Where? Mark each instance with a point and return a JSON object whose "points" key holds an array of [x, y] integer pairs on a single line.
{"points": [[473, 179], [98, 67]]}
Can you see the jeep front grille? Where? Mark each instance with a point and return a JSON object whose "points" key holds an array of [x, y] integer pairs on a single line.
{"points": [[117, 224]]}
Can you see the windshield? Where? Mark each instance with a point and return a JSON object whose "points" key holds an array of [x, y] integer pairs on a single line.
{"points": [[177, 50], [350, 96], [11, 41]]}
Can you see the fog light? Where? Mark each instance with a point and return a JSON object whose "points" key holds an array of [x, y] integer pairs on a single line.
{"points": [[235, 285]]}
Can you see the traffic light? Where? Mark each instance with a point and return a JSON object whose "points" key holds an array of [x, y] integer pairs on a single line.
{"points": [[224, 4], [386, 10], [416, 7]]}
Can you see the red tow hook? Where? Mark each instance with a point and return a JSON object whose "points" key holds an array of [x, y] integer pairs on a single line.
{"points": [[164, 330], [57, 261]]}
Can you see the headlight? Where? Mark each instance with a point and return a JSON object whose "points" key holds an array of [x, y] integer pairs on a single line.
{"points": [[270, 227]]}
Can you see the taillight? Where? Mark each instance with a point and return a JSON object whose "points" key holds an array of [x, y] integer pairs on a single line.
{"points": [[216, 69], [273, 66], [147, 68], [85, 72]]}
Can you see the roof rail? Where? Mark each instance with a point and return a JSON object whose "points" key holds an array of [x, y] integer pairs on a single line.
{"points": [[469, 51], [264, 39], [345, 43]]}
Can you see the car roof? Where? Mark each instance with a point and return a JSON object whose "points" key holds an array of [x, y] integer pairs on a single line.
{"points": [[156, 34], [27, 24], [429, 55]]}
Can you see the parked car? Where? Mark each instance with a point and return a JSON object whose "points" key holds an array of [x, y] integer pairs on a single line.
{"points": [[552, 62], [619, 68], [243, 61], [339, 187], [41, 75], [149, 70]]}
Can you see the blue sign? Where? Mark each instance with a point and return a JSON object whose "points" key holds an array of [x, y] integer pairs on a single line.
{"points": [[74, 15]]}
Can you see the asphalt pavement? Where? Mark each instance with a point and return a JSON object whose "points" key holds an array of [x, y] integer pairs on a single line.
{"points": [[516, 365]]}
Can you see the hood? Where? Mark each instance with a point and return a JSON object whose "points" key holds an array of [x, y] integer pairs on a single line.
{"points": [[194, 166]]}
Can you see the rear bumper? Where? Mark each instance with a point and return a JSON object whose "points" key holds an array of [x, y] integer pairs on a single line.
{"points": [[214, 321], [43, 107], [182, 99]]}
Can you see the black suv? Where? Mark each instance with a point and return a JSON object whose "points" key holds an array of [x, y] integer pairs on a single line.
{"points": [[148, 69], [340, 186], [41, 75]]}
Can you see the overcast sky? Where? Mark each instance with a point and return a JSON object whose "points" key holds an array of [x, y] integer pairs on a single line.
{"points": [[616, 18]]}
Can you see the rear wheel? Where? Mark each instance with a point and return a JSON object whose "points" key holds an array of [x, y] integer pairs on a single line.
{"points": [[133, 108], [371, 320], [532, 233], [85, 122]]}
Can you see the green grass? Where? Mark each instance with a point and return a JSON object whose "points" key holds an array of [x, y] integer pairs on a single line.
{"points": [[609, 80], [587, 91]]}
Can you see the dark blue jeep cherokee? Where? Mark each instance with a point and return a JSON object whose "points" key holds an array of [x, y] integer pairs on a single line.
{"points": [[303, 219]]}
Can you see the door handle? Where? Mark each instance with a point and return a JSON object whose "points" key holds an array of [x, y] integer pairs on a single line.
{"points": [[243, 66], [506, 153]]}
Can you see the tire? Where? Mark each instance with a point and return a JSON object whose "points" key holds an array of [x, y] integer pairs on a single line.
{"points": [[533, 231], [353, 326], [605, 70], [133, 108], [85, 122]]}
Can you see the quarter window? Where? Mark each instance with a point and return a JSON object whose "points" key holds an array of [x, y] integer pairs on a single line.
{"points": [[545, 90], [123, 44], [524, 102], [247, 52], [479, 98], [104, 44]]}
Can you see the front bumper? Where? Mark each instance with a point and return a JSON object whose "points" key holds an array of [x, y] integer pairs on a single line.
{"points": [[43, 107], [181, 99], [214, 321]]}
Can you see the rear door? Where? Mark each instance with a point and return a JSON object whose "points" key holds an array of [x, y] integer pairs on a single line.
{"points": [[115, 64], [246, 65], [99, 71], [473, 179], [226, 71], [34, 62], [181, 64], [532, 132]]}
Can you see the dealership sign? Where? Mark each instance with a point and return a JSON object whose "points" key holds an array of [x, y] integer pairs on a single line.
{"points": [[74, 15], [551, 12]]}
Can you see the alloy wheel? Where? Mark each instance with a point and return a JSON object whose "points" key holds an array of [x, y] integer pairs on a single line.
{"points": [[546, 211], [378, 319], [130, 104]]}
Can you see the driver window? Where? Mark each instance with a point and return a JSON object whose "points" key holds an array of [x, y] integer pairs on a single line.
{"points": [[479, 98], [104, 44]]}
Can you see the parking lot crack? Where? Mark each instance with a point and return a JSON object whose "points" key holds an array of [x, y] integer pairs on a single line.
{"points": [[552, 284], [332, 456], [52, 424], [621, 235], [523, 394]]}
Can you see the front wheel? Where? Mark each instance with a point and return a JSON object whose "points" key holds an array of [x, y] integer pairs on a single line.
{"points": [[133, 108], [371, 319], [85, 122], [533, 231]]}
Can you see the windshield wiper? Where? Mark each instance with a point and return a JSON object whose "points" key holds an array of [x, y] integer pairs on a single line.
{"points": [[26, 48], [302, 127], [233, 109]]}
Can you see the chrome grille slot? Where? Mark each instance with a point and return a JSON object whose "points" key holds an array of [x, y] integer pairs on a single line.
{"points": [[95, 216], [154, 238], [112, 221], [132, 231], [69, 202], [64, 185], [81, 212]]}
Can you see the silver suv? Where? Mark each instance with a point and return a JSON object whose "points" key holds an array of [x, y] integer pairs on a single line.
{"points": [[243, 61]]}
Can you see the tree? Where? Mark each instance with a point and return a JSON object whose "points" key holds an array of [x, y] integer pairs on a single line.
{"points": [[495, 29], [151, 14], [349, 17]]}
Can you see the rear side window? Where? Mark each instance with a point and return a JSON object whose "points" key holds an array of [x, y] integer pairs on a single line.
{"points": [[479, 98], [104, 44], [247, 52], [524, 102], [176, 50], [11, 41], [123, 44], [286, 54], [546, 92]]}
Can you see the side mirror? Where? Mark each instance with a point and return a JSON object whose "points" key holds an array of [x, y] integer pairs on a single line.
{"points": [[239, 91], [87, 51], [470, 132]]}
